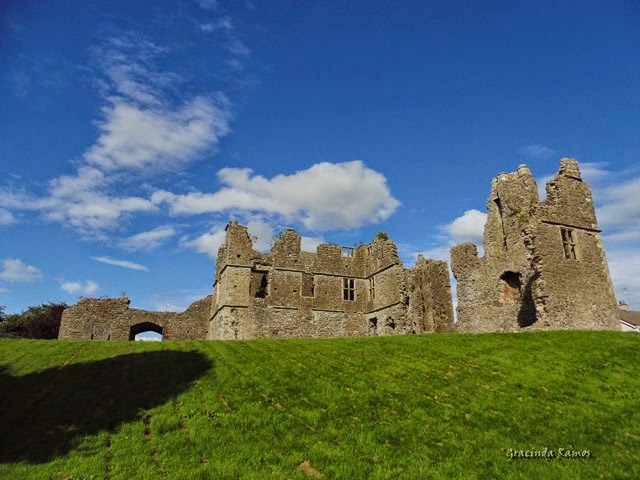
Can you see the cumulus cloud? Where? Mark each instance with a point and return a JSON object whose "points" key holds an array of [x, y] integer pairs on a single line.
{"points": [[323, 197], [469, 227], [15, 270], [537, 151], [145, 127], [87, 288], [141, 127], [139, 137], [121, 263], [149, 240], [261, 233], [208, 243]]}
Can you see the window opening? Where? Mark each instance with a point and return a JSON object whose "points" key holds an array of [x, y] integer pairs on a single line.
{"points": [[347, 251], [504, 233], [259, 284], [348, 289], [372, 288], [308, 288], [568, 243]]}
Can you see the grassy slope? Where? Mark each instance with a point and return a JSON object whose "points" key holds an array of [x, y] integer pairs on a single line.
{"points": [[433, 406]]}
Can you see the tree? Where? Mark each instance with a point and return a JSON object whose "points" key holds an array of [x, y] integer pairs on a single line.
{"points": [[42, 321]]}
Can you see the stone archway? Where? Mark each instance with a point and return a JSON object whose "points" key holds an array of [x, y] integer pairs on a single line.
{"points": [[144, 327]]}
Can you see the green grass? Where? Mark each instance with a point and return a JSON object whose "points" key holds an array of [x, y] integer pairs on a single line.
{"points": [[434, 406]]}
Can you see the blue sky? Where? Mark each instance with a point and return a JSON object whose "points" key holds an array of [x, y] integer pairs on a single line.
{"points": [[133, 131]]}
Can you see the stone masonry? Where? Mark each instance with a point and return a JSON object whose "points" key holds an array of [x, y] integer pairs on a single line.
{"points": [[544, 266], [112, 319], [334, 292]]}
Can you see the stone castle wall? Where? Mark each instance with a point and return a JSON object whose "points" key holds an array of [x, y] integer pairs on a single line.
{"points": [[334, 292], [544, 266], [112, 319]]}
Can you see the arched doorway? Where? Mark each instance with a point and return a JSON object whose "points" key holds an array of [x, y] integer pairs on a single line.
{"points": [[146, 331]]}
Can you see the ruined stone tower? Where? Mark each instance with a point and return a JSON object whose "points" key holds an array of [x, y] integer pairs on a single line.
{"points": [[543, 267], [334, 292]]}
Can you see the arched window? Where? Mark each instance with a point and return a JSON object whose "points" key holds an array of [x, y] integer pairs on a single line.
{"points": [[145, 331]]}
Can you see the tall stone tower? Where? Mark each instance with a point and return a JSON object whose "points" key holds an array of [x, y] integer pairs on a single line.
{"points": [[544, 265]]}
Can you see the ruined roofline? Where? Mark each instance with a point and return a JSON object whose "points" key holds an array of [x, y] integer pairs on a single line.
{"points": [[505, 182], [292, 231]]}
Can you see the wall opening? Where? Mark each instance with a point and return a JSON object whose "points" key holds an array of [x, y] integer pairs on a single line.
{"points": [[259, 284], [510, 288], [146, 331], [373, 326], [349, 289], [568, 243], [308, 289]]}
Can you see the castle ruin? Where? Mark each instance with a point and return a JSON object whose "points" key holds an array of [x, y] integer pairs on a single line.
{"points": [[543, 267]]}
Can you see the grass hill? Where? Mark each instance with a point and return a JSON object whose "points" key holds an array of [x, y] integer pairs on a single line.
{"points": [[430, 406]]}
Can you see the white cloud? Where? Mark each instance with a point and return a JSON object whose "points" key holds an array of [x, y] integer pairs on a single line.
{"points": [[15, 270], [537, 151], [147, 125], [6, 217], [3, 290], [139, 137], [121, 263], [310, 244], [624, 265], [208, 243], [149, 240], [88, 288], [620, 205], [262, 235], [323, 197], [469, 227]]}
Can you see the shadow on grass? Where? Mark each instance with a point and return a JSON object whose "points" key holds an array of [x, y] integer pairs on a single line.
{"points": [[44, 415]]}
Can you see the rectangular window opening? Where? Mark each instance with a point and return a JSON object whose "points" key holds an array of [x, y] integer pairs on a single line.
{"points": [[347, 251], [348, 289], [568, 243], [308, 287], [372, 288]]}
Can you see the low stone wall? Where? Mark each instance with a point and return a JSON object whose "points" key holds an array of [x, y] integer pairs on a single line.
{"points": [[112, 319]]}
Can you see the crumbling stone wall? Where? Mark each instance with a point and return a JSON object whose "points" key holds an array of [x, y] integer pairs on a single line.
{"points": [[333, 292], [543, 267], [112, 319]]}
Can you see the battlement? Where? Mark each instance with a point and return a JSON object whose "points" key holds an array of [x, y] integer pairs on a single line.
{"points": [[334, 291]]}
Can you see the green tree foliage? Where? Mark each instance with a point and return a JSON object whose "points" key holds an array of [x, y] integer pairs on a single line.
{"points": [[381, 236], [42, 321]]}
